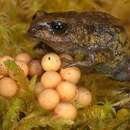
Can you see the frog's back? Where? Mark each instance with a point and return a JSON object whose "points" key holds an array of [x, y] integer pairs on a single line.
{"points": [[99, 18], [104, 31], [106, 36], [89, 17], [107, 30], [97, 31]]}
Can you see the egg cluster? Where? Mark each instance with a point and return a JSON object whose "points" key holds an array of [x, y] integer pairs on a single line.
{"points": [[56, 89]]}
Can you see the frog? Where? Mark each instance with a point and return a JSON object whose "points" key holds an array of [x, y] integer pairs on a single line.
{"points": [[99, 36]]}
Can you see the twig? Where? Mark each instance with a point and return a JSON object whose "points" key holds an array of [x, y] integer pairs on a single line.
{"points": [[121, 102]]}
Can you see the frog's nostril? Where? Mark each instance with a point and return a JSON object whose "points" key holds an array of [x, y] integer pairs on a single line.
{"points": [[34, 30], [31, 31]]}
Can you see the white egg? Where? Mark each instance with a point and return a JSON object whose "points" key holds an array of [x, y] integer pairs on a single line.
{"points": [[25, 57], [66, 90], [8, 87], [38, 88], [84, 97], [65, 111], [23, 66], [71, 74], [3, 68], [48, 99], [51, 62], [35, 68], [50, 79]]}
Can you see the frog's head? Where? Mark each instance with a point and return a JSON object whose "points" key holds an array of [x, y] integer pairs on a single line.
{"points": [[54, 29]]}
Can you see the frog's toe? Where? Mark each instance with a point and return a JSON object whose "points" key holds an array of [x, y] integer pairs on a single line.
{"points": [[81, 64], [78, 63], [66, 64]]}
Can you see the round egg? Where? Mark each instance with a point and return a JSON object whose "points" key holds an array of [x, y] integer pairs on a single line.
{"points": [[3, 69], [25, 57], [51, 62], [8, 87], [71, 74], [66, 90], [50, 79], [1, 76], [35, 68], [65, 111], [23, 66], [48, 99], [38, 88], [84, 97]]}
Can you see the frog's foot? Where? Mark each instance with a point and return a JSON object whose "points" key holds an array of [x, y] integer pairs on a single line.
{"points": [[66, 62], [79, 63]]}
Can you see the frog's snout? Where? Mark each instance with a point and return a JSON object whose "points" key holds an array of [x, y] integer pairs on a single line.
{"points": [[32, 31]]}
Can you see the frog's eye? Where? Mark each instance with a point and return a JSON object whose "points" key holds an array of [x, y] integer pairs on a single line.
{"points": [[58, 27]]}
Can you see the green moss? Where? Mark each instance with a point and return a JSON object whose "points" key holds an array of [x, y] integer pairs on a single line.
{"points": [[15, 16]]}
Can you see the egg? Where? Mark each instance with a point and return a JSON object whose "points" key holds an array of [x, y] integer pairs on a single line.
{"points": [[25, 57], [23, 66], [51, 62], [66, 90], [38, 88], [35, 68], [8, 87], [50, 79], [71, 74], [84, 97], [1, 76], [48, 99], [3, 68], [65, 111]]}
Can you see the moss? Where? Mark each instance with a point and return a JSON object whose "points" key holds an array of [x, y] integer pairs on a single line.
{"points": [[15, 16]]}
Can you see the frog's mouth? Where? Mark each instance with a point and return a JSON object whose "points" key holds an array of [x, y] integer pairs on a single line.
{"points": [[43, 46]]}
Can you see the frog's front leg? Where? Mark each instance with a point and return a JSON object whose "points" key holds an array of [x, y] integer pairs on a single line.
{"points": [[92, 59], [85, 63]]}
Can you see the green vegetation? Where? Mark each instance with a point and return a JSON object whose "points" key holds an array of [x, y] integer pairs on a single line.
{"points": [[15, 16]]}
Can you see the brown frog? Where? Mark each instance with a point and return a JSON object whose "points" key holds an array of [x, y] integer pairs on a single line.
{"points": [[99, 36]]}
